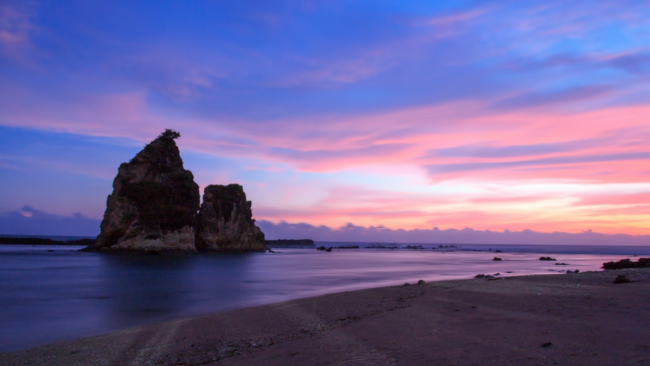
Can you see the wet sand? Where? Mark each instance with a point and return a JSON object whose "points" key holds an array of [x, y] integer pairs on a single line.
{"points": [[571, 319]]}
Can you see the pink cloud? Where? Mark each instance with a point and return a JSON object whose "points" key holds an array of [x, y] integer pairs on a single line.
{"points": [[457, 17], [514, 149], [15, 27], [330, 143], [504, 208], [616, 199]]}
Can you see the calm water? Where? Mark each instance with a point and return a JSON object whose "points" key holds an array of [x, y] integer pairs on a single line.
{"points": [[57, 293]]}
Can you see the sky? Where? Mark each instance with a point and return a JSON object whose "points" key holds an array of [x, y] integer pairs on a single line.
{"points": [[383, 116]]}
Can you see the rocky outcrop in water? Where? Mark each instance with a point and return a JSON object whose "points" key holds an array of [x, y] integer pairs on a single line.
{"points": [[225, 222], [626, 263], [154, 202], [154, 207]]}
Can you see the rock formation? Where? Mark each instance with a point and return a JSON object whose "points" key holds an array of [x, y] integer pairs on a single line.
{"points": [[225, 221], [154, 202], [154, 207], [627, 263]]}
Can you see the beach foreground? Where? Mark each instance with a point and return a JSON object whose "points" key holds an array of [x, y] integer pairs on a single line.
{"points": [[572, 319]]}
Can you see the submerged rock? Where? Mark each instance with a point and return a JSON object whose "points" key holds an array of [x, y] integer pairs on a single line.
{"points": [[154, 202], [414, 247], [497, 259], [546, 259], [225, 222]]}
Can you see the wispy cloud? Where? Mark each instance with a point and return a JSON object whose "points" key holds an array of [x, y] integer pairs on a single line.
{"points": [[400, 115], [15, 27]]}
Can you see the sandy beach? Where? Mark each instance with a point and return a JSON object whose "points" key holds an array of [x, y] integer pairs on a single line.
{"points": [[570, 319]]}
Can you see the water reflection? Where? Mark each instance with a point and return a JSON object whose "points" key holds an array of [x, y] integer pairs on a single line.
{"points": [[143, 289]]}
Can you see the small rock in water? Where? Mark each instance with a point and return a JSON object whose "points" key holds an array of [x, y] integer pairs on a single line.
{"points": [[498, 251], [51, 251], [328, 249], [547, 344], [421, 282], [569, 271], [414, 247], [576, 271], [479, 276], [497, 274], [546, 259], [561, 264], [497, 259], [621, 279]]}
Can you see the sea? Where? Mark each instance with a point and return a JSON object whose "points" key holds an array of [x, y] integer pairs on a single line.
{"points": [[55, 293]]}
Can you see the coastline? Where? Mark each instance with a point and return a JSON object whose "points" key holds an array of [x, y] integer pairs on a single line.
{"points": [[587, 318], [35, 240]]}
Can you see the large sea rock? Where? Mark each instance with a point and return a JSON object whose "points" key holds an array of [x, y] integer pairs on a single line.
{"points": [[154, 203], [225, 222]]}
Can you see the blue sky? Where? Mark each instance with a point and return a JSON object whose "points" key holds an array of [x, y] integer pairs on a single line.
{"points": [[492, 115]]}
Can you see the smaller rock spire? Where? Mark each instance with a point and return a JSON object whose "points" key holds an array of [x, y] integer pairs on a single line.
{"points": [[225, 222]]}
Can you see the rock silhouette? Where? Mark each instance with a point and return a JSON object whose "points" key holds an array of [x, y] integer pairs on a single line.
{"points": [[546, 259], [626, 263], [154, 205], [154, 202], [225, 223]]}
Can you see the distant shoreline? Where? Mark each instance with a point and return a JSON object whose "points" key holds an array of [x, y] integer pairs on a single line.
{"points": [[290, 243], [9, 240]]}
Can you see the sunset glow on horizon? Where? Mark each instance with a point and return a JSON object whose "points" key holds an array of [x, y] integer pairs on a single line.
{"points": [[493, 115]]}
